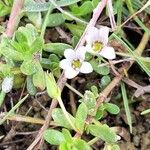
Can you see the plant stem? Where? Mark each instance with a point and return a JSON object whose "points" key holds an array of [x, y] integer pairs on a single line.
{"points": [[45, 21], [66, 113], [74, 90], [117, 79], [94, 140], [96, 14], [16, 9]]}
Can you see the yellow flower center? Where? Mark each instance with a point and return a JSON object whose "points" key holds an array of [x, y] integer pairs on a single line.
{"points": [[76, 64], [97, 46]]}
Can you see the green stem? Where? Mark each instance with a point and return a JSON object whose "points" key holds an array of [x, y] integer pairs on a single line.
{"points": [[94, 140], [74, 90], [66, 113], [96, 122], [45, 21]]}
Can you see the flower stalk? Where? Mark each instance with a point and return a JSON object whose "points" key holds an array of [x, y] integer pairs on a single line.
{"points": [[66, 113]]}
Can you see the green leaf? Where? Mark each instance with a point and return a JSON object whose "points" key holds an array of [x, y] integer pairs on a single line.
{"points": [[55, 69], [76, 30], [21, 36], [35, 18], [55, 19], [15, 45], [111, 147], [147, 111], [5, 69], [111, 108], [60, 119], [56, 48], [26, 34], [67, 135], [51, 86], [80, 144], [77, 144], [74, 41], [4, 9], [39, 77], [81, 116], [100, 112], [37, 45], [65, 146], [54, 58], [98, 69], [30, 6], [53, 137], [30, 86], [95, 2], [94, 90], [11, 54], [104, 132], [83, 10], [90, 102], [28, 67], [105, 80]]}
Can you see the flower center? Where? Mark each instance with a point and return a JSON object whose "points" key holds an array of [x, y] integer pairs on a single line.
{"points": [[76, 64], [97, 46]]}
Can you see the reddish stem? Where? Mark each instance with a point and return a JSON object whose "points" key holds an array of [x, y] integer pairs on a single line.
{"points": [[16, 9]]}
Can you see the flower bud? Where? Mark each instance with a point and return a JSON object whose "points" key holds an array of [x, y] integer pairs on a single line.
{"points": [[7, 84], [52, 87]]}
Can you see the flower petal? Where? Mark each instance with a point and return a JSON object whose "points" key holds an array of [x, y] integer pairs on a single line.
{"points": [[108, 52], [92, 35], [103, 34], [69, 54], [86, 67], [64, 64], [80, 53], [71, 73]]}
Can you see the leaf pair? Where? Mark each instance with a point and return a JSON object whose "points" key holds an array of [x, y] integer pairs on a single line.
{"points": [[65, 140], [109, 107]]}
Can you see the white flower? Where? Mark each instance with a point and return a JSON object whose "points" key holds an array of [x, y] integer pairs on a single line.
{"points": [[97, 40], [7, 84], [74, 63]]}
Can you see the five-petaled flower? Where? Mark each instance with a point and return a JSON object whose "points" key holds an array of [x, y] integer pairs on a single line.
{"points": [[97, 40], [74, 63]]}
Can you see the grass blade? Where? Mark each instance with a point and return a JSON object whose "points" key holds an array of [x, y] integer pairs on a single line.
{"points": [[13, 109], [135, 55], [126, 106]]}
